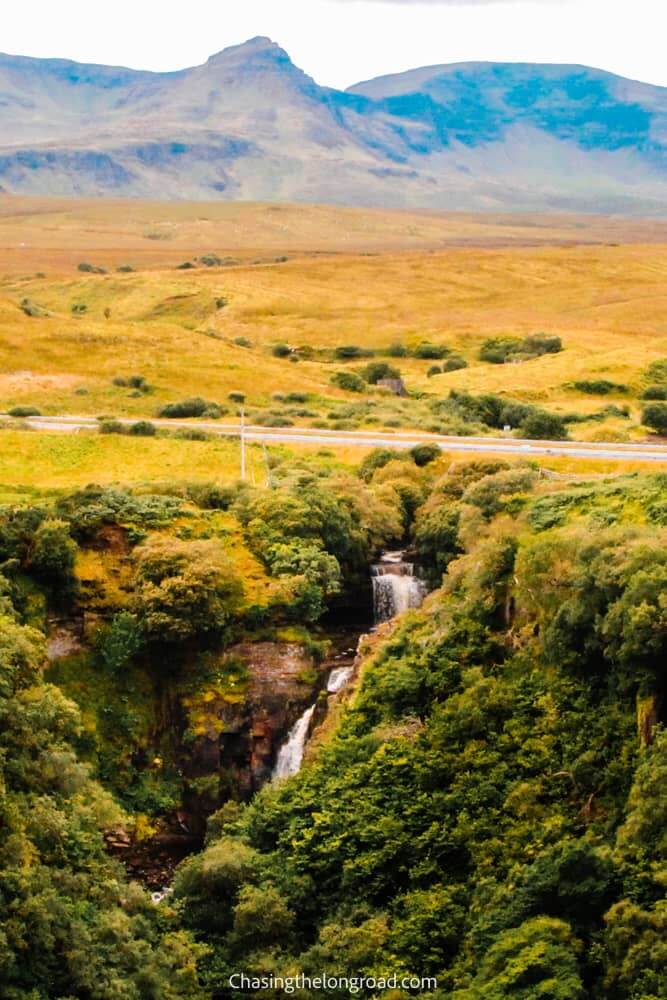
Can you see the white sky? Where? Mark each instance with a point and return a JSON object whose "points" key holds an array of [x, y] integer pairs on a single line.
{"points": [[341, 42]]}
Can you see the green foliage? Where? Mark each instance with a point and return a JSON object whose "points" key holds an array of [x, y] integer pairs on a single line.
{"points": [[655, 417], [430, 352], [142, 428], [543, 426], [184, 589], [599, 387], [349, 381], [53, 553], [120, 642], [349, 352], [24, 411], [655, 392], [70, 925], [501, 350], [90, 268], [193, 407], [424, 454], [281, 351], [378, 370], [454, 363]]}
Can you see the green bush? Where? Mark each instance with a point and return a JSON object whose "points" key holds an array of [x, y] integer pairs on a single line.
{"points": [[24, 411], [500, 350], [193, 407], [142, 428], [543, 426], [281, 351], [655, 417], [210, 260], [349, 381], [236, 397], [430, 352], [397, 350], [434, 370], [111, 427], [187, 265], [599, 387], [454, 363], [424, 454], [79, 308], [378, 370], [53, 552], [125, 269], [90, 268], [242, 342], [349, 352], [655, 392]]}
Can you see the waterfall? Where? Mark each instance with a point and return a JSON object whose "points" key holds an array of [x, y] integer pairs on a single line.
{"points": [[339, 678], [395, 587], [290, 755]]}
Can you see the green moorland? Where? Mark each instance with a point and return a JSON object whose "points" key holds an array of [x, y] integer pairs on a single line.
{"points": [[487, 808]]}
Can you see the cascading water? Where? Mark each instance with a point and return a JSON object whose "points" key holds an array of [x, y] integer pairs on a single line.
{"points": [[395, 587], [290, 755]]}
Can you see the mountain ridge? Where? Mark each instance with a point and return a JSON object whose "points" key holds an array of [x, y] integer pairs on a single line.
{"points": [[249, 124]]}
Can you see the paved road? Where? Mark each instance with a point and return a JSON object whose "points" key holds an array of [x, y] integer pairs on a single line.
{"points": [[372, 439]]}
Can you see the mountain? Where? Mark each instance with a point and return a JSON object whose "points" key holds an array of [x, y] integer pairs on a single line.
{"points": [[249, 124]]}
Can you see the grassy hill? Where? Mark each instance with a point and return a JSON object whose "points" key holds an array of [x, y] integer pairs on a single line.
{"points": [[304, 282]]}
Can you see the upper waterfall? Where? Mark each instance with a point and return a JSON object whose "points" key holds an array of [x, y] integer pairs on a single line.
{"points": [[396, 588]]}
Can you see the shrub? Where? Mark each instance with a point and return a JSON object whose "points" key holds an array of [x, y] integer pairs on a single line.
{"points": [[221, 302], [111, 427], [90, 268], [125, 269], [350, 351], [236, 397], [210, 260], [242, 342], [454, 363], [25, 411], [192, 434], [53, 552], [397, 351], [143, 428], [655, 392], [185, 589], [544, 426], [599, 387], [281, 351], [193, 407], [187, 265], [657, 372], [655, 417], [434, 370], [378, 370], [132, 382], [79, 308], [424, 454], [500, 350], [430, 352], [296, 397], [349, 381]]}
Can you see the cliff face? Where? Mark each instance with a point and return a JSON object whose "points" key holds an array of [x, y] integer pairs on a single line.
{"points": [[250, 125]]}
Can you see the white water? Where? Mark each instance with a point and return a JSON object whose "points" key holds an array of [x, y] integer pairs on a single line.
{"points": [[290, 755], [339, 678], [395, 587]]}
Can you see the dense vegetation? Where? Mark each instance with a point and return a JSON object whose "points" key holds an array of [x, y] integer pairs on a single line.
{"points": [[489, 809]]}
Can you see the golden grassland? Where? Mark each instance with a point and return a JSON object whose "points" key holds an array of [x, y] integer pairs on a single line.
{"points": [[39, 464], [336, 287]]}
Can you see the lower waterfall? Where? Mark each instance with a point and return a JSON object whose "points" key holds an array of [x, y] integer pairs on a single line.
{"points": [[290, 755]]}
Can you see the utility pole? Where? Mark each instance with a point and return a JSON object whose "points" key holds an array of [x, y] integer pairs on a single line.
{"points": [[243, 444]]}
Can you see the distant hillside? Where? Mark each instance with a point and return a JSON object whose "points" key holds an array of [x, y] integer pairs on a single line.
{"points": [[250, 125]]}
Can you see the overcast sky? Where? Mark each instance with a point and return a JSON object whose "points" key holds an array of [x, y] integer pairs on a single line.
{"points": [[341, 42]]}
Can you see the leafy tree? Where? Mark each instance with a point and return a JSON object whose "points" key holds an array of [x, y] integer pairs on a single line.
{"points": [[185, 589], [53, 553]]}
